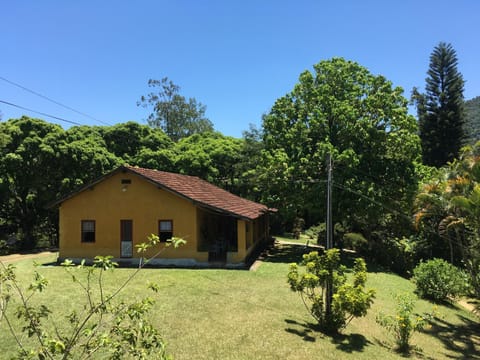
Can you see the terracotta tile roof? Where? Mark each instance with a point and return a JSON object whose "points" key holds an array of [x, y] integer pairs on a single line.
{"points": [[202, 193]]}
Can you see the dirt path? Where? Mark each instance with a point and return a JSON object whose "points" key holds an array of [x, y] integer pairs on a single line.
{"points": [[469, 305], [16, 257]]}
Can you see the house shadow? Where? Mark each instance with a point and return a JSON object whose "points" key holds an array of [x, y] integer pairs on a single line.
{"points": [[348, 343], [462, 340]]}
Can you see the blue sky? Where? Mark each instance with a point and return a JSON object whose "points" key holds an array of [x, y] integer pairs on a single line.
{"points": [[236, 57]]}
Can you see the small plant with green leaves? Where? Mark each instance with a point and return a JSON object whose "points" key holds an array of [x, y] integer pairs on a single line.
{"points": [[439, 280], [104, 327], [347, 301], [405, 322]]}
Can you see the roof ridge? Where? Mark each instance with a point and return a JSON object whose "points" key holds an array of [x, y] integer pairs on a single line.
{"points": [[163, 171]]}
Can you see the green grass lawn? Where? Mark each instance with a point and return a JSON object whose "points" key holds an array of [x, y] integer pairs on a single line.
{"points": [[238, 314]]}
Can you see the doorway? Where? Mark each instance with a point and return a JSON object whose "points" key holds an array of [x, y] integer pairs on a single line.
{"points": [[126, 238]]}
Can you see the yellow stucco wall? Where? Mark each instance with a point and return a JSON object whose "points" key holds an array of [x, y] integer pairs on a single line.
{"points": [[142, 202]]}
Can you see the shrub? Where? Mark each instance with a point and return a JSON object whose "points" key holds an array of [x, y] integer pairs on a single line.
{"points": [[316, 233], [439, 280], [347, 301], [396, 254], [355, 241], [404, 323]]}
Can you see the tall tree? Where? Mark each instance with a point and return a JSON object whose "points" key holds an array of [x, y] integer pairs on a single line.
{"points": [[440, 109], [139, 145], [40, 162], [249, 163], [173, 113], [363, 122], [26, 166], [210, 156]]}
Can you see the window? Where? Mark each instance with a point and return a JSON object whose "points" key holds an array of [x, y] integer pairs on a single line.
{"points": [[88, 231], [165, 230]]}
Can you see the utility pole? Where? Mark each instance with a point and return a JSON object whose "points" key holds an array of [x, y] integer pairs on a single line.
{"points": [[329, 224], [329, 245]]}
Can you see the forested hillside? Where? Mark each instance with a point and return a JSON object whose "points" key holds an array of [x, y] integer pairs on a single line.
{"points": [[472, 120]]}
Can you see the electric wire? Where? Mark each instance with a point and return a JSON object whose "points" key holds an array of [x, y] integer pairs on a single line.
{"points": [[53, 101], [40, 113]]}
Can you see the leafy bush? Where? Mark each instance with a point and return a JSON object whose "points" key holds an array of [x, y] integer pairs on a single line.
{"points": [[316, 232], [439, 280], [322, 273], [396, 254], [404, 323], [355, 241]]}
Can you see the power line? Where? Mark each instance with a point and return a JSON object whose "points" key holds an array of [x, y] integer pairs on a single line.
{"points": [[53, 101], [358, 193], [40, 113]]}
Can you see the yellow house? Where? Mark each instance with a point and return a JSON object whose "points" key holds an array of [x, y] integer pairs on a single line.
{"points": [[122, 208]]}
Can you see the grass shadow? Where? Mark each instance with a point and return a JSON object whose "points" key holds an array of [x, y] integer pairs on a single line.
{"points": [[413, 352], [304, 330], [475, 305], [285, 253], [309, 332], [463, 339], [350, 343], [289, 253]]}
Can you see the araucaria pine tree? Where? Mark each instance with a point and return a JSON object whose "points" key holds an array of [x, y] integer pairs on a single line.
{"points": [[440, 109]]}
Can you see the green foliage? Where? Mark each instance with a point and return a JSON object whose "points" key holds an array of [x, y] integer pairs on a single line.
{"points": [[404, 323], [355, 241], [397, 254], [348, 300], [176, 116], [39, 162], [298, 224], [210, 156], [440, 109], [27, 162], [448, 214], [248, 168], [139, 145], [439, 280], [363, 121], [472, 121], [317, 232], [102, 326]]}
